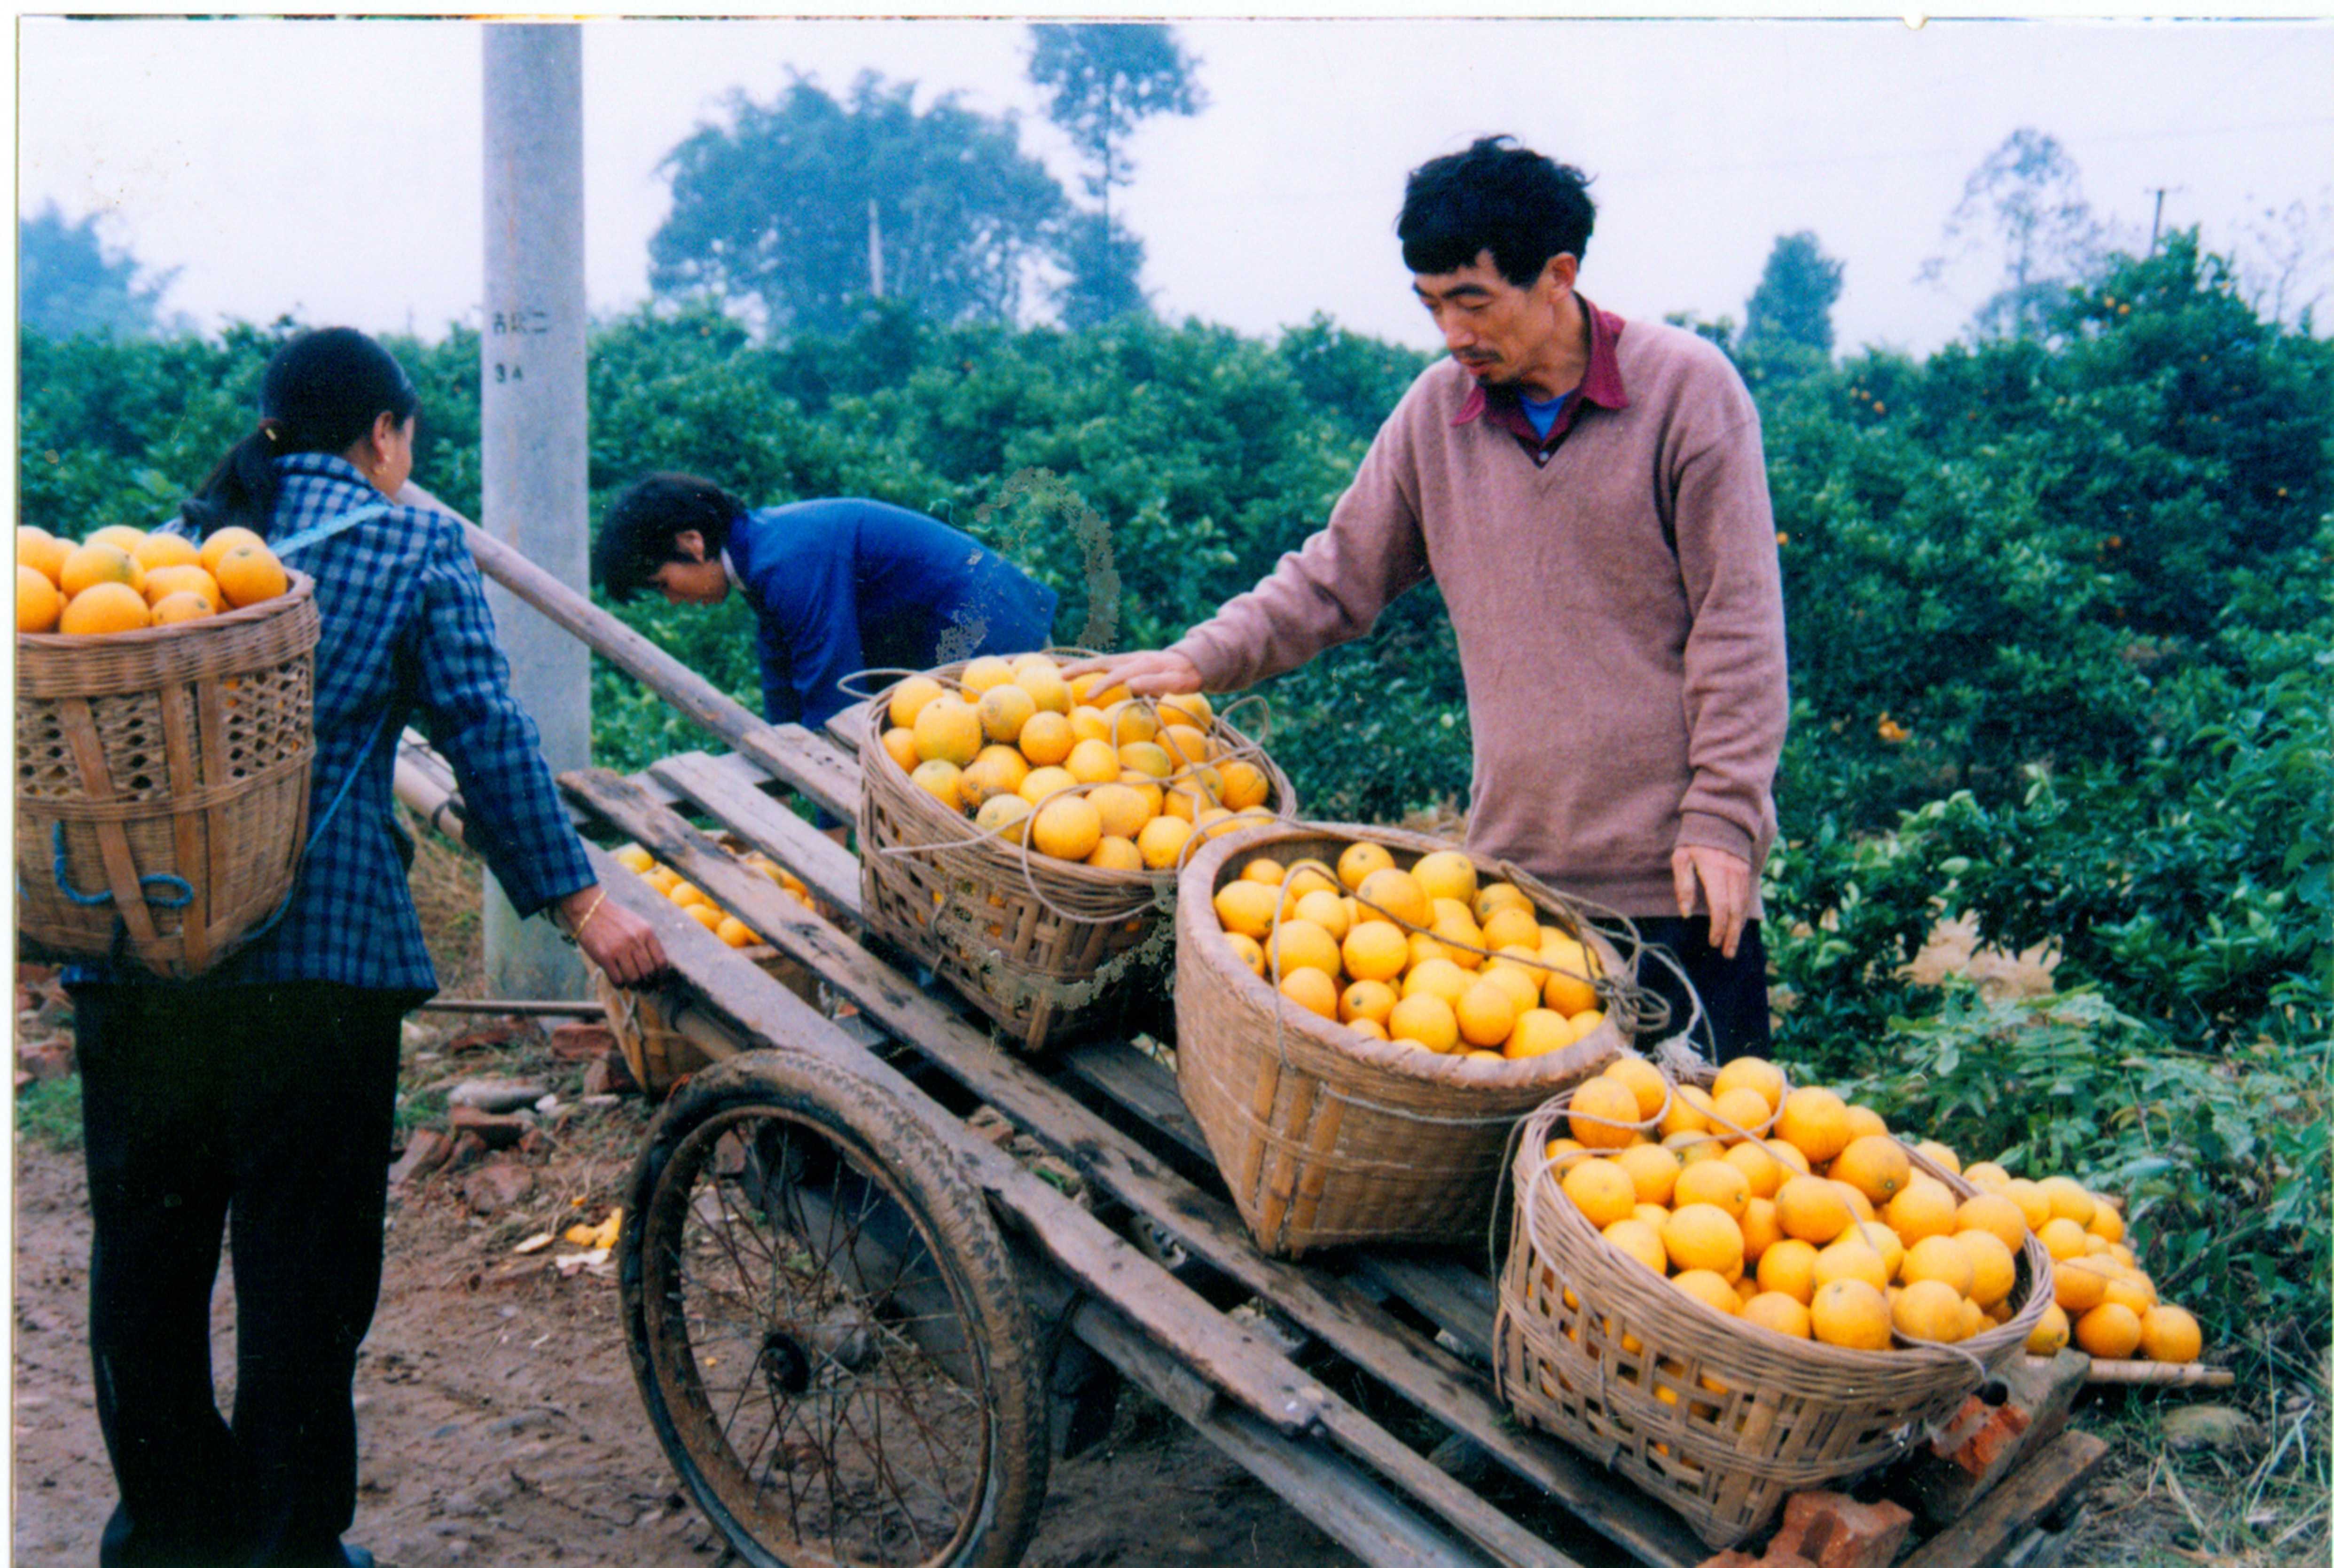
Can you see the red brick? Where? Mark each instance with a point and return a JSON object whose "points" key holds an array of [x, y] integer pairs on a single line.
{"points": [[1833, 1530], [496, 1185], [46, 1059], [495, 1131], [582, 1041], [424, 1152]]}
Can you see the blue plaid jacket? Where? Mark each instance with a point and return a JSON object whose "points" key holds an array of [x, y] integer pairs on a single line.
{"points": [[406, 633]]}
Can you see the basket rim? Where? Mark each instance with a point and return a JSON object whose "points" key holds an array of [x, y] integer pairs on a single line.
{"points": [[1694, 1318], [1195, 893], [894, 780], [299, 588]]}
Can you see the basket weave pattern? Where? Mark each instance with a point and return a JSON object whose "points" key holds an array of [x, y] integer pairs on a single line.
{"points": [[1041, 946], [177, 751], [1325, 1136], [1717, 1418]]}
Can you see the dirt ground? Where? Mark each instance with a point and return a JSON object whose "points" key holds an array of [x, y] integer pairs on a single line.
{"points": [[496, 1415]]}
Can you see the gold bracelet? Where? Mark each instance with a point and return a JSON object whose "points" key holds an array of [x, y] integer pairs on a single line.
{"points": [[576, 930]]}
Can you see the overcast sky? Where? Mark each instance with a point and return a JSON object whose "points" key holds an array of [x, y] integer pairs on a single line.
{"points": [[330, 169]]}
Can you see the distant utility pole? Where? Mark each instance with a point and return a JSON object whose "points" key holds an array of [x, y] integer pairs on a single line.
{"points": [[874, 249], [2155, 226], [532, 422]]}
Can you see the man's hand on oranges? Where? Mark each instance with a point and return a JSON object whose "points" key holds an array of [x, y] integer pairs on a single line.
{"points": [[1725, 886], [1157, 672], [612, 936]]}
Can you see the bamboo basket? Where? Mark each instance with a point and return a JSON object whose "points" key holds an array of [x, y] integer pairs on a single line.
{"points": [[1045, 947], [1325, 1136], [162, 782], [1588, 1342], [659, 1055]]}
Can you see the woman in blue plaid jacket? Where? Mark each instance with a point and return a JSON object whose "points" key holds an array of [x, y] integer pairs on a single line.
{"points": [[263, 1091]]}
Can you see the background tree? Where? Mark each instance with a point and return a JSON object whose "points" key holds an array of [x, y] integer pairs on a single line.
{"points": [[807, 203], [2026, 202], [1100, 80], [1792, 304], [69, 281]]}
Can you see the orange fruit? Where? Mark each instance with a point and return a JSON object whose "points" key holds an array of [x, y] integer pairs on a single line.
{"points": [[1761, 1229], [1937, 1154], [1928, 1309], [1810, 1208], [1446, 873], [1645, 1081], [1849, 1314], [2062, 1238], [1921, 1210], [1375, 950], [1485, 1013], [102, 608], [1938, 1258], [1092, 762], [2138, 1295], [940, 780], [1603, 1114], [1993, 1267], [217, 545], [1390, 891], [1244, 785], [1371, 998], [1788, 1156], [1312, 990], [1602, 1190], [1704, 1236], [1003, 710], [172, 608], [1085, 723], [1424, 1020], [157, 550], [1067, 828], [1187, 746], [1511, 926], [1689, 1111], [1759, 1167], [1652, 1171], [1752, 1072], [1538, 1031], [1714, 1181], [947, 729], [908, 698], [1789, 1266], [1162, 841], [1245, 949], [735, 932], [1115, 853], [2051, 1332], [1368, 1027], [707, 916], [1045, 738], [901, 744], [1571, 970], [1712, 1289], [250, 574], [38, 603], [1863, 1121], [1986, 1177], [1440, 977], [163, 581], [1041, 784], [1737, 1113], [1264, 868], [1359, 860], [1635, 1238], [42, 551], [2170, 1335], [1849, 1258], [2110, 1332], [91, 564], [1778, 1313], [1042, 679], [2068, 1199], [1995, 1215], [1325, 910], [1815, 1122], [1002, 814], [2079, 1285], [1857, 1204], [1301, 944], [120, 535], [2107, 1222], [1874, 1165], [985, 673], [1522, 989], [1246, 908]]}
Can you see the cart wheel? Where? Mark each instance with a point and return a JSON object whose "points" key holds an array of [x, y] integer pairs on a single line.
{"points": [[831, 1344]]}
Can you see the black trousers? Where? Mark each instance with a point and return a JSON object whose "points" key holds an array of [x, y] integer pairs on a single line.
{"points": [[1733, 991], [267, 1107]]}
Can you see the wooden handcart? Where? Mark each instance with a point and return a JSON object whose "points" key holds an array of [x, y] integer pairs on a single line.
{"points": [[862, 1328]]}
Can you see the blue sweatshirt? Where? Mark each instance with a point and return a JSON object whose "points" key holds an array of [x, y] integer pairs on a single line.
{"points": [[843, 585]]}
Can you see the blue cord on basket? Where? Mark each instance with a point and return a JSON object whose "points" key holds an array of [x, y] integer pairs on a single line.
{"points": [[183, 895]]}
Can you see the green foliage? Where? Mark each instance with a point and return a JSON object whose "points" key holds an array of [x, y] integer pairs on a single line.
{"points": [[71, 282], [1792, 304], [777, 206], [2222, 1161], [48, 1112]]}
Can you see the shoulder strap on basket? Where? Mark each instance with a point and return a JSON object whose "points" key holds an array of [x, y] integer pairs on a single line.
{"points": [[317, 533]]}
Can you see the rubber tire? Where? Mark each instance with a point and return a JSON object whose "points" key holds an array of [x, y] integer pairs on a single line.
{"points": [[959, 1233]]}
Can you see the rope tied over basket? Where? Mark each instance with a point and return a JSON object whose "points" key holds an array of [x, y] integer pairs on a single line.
{"points": [[181, 894]]}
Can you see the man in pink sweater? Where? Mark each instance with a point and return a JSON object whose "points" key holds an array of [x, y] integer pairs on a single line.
{"points": [[1590, 495]]}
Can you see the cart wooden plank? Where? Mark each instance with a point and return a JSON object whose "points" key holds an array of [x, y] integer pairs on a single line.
{"points": [[2036, 1490], [726, 788], [794, 930], [1339, 1314]]}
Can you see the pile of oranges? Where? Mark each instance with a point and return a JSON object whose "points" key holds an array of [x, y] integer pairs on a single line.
{"points": [[1790, 1208], [121, 579], [687, 895], [1077, 770], [1424, 956]]}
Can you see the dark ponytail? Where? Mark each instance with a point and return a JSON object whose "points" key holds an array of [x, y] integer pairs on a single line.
{"points": [[321, 394]]}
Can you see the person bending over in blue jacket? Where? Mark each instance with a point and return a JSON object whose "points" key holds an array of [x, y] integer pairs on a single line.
{"points": [[837, 585]]}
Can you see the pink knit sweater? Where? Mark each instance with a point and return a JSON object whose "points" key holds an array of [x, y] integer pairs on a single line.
{"points": [[1620, 614]]}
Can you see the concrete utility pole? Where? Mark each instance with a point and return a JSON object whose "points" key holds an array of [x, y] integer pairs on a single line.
{"points": [[532, 416]]}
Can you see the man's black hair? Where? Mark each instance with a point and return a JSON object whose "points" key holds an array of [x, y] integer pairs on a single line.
{"points": [[1500, 197], [638, 534]]}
